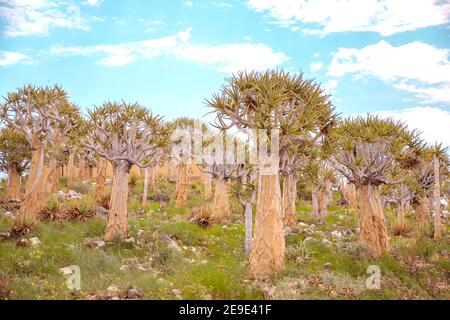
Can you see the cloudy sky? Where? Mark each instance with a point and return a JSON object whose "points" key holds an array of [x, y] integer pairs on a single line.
{"points": [[390, 57]]}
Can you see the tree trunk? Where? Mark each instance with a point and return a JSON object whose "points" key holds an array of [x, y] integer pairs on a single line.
{"points": [[13, 187], [221, 204], [372, 222], [182, 177], [153, 175], [70, 166], [289, 197], [315, 200], [35, 191], [208, 179], [81, 168], [324, 199], [145, 191], [267, 255], [401, 223], [422, 209], [248, 216], [101, 176], [52, 177], [437, 201], [349, 192], [118, 212]]}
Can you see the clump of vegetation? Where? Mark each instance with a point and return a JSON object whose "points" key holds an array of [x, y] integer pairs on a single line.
{"points": [[202, 216]]}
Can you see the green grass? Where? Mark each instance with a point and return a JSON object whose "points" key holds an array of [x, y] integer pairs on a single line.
{"points": [[211, 263]]}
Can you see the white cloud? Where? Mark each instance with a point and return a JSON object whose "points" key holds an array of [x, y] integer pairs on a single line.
{"points": [[9, 58], [226, 58], [93, 3], [432, 122], [331, 85], [316, 66], [37, 17], [382, 16], [415, 67]]}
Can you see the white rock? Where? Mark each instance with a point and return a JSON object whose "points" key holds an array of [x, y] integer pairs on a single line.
{"points": [[309, 239], [302, 225], [66, 271], [326, 241], [337, 234], [8, 214], [112, 291], [35, 241], [176, 292], [287, 230]]}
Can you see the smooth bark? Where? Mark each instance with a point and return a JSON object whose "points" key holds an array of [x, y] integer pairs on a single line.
{"points": [[221, 204], [268, 246], [373, 229], [289, 198], [13, 187], [118, 212]]}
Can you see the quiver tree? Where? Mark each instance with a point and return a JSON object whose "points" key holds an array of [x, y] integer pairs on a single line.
{"points": [[278, 105], [34, 111], [322, 193], [440, 168], [289, 169], [149, 171], [15, 154], [400, 195], [421, 184], [126, 135], [364, 150], [181, 156], [348, 194], [221, 162]]}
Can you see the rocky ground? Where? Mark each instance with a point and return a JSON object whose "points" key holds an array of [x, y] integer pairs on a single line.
{"points": [[168, 257]]}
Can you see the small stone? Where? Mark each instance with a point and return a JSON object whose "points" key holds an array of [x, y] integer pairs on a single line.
{"points": [[134, 293], [224, 227], [287, 231], [112, 291], [5, 236], [300, 260], [66, 271], [124, 268], [337, 234], [204, 262], [130, 240], [101, 212], [35, 241], [206, 297], [176, 292], [94, 244], [302, 225], [327, 266], [326, 241]]}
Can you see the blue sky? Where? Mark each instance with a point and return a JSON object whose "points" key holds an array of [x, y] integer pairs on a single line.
{"points": [[384, 56]]}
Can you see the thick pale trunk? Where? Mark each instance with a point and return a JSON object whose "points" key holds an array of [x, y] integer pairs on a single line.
{"points": [[153, 175], [35, 191], [315, 200], [70, 167], [208, 184], [422, 209], [373, 229], [324, 198], [401, 223], [13, 188], [118, 212], [53, 172], [101, 176], [248, 216], [145, 190], [81, 168], [267, 255], [437, 202], [289, 198], [349, 191], [182, 182], [221, 204]]}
